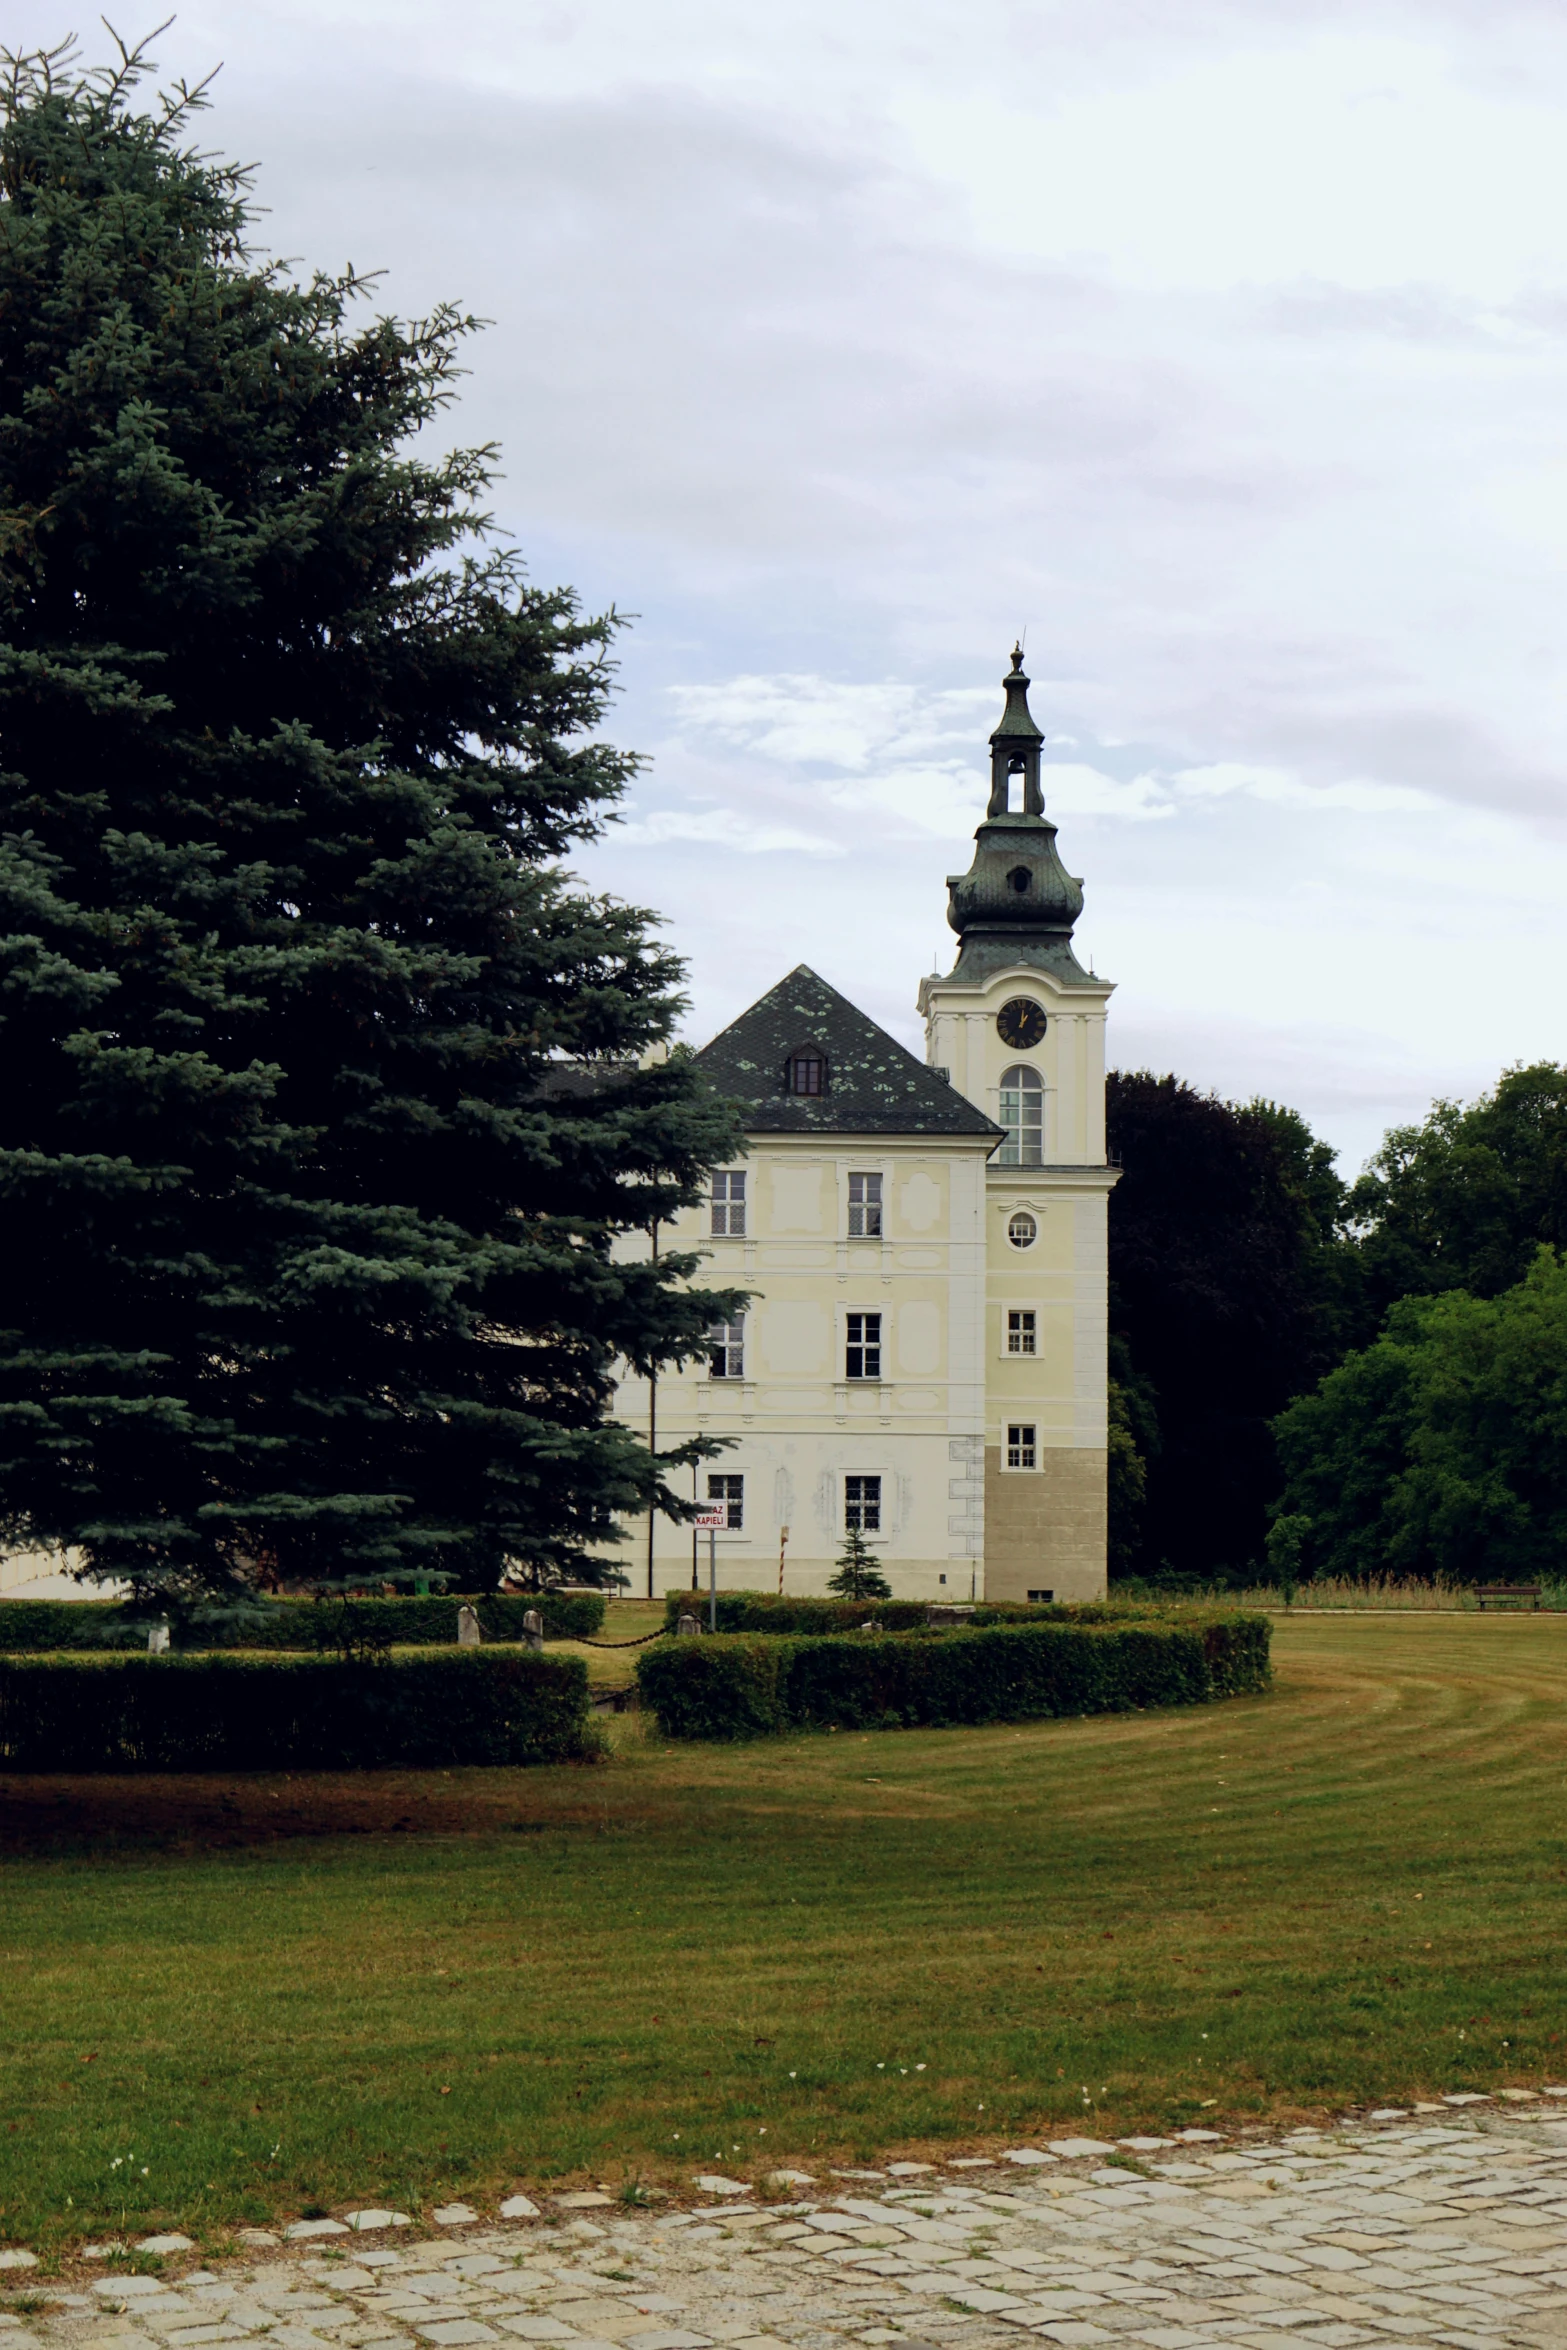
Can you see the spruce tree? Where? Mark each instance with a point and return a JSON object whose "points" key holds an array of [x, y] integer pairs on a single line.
{"points": [[857, 1576], [324, 1102]]}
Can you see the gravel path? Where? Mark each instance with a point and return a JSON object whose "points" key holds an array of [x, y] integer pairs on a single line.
{"points": [[1449, 2230]]}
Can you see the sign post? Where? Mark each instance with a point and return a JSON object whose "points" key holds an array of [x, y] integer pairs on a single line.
{"points": [[715, 1515]]}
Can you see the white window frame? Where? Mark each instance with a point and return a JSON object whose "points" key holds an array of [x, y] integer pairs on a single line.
{"points": [[1016, 1216], [866, 1345], [1020, 1344], [860, 1502], [1024, 1145], [865, 1204], [1020, 1452], [728, 1486], [727, 1204], [726, 1349]]}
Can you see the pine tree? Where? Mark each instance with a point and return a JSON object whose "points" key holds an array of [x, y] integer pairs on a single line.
{"points": [[324, 1100], [858, 1575]]}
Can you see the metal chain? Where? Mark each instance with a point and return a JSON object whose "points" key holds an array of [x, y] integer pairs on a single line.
{"points": [[585, 1642]]}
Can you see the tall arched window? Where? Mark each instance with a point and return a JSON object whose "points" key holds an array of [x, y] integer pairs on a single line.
{"points": [[1023, 1116]]}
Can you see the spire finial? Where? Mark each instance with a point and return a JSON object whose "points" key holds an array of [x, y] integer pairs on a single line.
{"points": [[1017, 656]]}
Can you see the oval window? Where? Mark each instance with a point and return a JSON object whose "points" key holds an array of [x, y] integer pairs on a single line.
{"points": [[1022, 1231]]}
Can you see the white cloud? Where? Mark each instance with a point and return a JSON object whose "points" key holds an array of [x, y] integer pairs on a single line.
{"points": [[1351, 153], [722, 828], [802, 720], [1072, 789], [1223, 348], [1354, 794], [870, 740]]}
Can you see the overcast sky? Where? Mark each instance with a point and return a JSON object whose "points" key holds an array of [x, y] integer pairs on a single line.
{"points": [[1223, 348]]}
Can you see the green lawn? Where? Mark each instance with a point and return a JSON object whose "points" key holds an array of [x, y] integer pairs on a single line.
{"points": [[285, 1991]]}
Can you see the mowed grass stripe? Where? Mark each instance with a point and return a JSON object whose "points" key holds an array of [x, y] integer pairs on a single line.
{"points": [[310, 1991]]}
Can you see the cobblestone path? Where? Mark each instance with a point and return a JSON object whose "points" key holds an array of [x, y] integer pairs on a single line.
{"points": [[1449, 2232]]}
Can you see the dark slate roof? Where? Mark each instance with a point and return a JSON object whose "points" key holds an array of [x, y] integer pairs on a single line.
{"points": [[874, 1084]]}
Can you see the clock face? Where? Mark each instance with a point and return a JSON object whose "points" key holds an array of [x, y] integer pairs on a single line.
{"points": [[1020, 1024]]}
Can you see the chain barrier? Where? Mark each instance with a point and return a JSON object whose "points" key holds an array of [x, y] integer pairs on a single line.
{"points": [[585, 1642]]}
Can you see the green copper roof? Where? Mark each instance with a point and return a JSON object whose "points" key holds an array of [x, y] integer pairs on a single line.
{"points": [[874, 1085], [1017, 720], [1017, 903]]}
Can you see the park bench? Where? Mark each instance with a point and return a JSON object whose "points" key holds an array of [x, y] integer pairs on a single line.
{"points": [[1508, 1594]]}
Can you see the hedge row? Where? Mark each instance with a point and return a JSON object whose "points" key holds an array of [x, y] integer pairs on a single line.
{"points": [[765, 1611], [297, 1713], [32, 1627], [745, 1686]]}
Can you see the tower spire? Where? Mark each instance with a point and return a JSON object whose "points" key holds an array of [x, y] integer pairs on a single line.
{"points": [[1014, 747], [1017, 903]]}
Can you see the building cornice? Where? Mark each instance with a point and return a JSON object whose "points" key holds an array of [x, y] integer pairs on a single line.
{"points": [[1054, 1178], [936, 983]]}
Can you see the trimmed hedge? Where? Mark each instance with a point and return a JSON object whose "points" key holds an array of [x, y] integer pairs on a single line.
{"points": [[297, 1713], [764, 1611], [745, 1686], [33, 1627]]}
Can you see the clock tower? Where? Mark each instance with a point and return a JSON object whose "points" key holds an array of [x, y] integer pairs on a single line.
{"points": [[1018, 1028]]}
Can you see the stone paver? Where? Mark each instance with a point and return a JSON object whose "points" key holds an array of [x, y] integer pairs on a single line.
{"points": [[1446, 2230]]}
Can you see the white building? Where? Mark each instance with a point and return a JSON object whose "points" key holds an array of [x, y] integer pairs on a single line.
{"points": [[924, 1353]]}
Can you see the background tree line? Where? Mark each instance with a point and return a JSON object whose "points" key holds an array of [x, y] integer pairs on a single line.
{"points": [[1270, 1353]]}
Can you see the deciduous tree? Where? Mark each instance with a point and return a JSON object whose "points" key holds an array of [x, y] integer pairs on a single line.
{"points": [[1441, 1449], [1220, 1311], [1464, 1200]]}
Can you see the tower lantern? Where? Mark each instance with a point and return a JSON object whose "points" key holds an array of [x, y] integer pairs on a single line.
{"points": [[1014, 747]]}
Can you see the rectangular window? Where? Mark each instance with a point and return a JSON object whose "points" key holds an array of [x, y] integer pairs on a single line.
{"points": [[1023, 1116], [865, 1207], [727, 1343], [728, 1206], [731, 1490], [1045, 1595], [1022, 1452], [1021, 1333], [862, 1505], [863, 1352]]}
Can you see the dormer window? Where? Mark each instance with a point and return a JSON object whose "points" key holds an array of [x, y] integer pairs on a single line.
{"points": [[807, 1073]]}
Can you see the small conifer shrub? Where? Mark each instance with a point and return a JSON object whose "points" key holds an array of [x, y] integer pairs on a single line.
{"points": [[857, 1576]]}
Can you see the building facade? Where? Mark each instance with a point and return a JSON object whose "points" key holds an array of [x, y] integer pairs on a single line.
{"points": [[924, 1351]]}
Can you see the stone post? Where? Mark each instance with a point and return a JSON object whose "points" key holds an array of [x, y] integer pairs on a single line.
{"points": [[688, 1628], [158, 1640], [467, 1627], [533, 1629]]}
